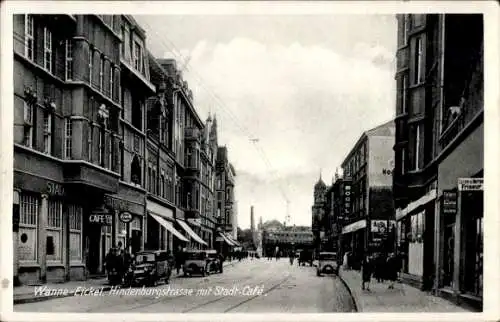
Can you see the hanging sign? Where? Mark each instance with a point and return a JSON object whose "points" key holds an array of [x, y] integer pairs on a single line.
{"points": [[449, 202], [125, 217], [470, 184]]}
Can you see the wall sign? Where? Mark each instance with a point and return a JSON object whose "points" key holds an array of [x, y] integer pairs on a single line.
{"points": [[470, 184], [347, 198], [126, 217], [55, 189], [101, 219], [449, 202], [116, 203]]}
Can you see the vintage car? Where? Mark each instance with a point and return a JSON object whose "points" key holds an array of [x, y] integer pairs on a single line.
{"points": [[196, 263], [305, 256], [214, 262], [148, 268], [327, 263]]}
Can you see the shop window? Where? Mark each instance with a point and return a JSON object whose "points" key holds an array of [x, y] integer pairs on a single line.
{"points": [[27, 247], [54, 231], [75, 233]]}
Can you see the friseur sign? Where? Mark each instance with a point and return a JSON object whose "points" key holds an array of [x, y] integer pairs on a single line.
{"points": [[449, 202]]}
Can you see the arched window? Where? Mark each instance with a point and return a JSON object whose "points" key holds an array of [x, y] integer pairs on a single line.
{"points": [[136, 170]]}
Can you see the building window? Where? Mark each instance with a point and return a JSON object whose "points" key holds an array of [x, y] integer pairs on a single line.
{"points": [[150, 180], [75, 232], [403, 160], [154, 180], [89, 141], [28, 125], [29, 42], [418, 68], [101, 74], [417, 148], [91, 63], [137, 56], [28, 220], [111, 152], [404, 94], [111, 84], [47, 132], [102, 145], [405, 30], [136, 170], [47, 49], [162, 184], [68, 133], [69, 60], [54, 231]]}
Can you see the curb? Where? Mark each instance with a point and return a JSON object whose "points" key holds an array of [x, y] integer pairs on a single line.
{"points": [[34, 299], [355, 300]]}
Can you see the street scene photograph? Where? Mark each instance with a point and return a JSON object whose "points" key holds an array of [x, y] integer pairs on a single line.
{"points": [[247, 162]]}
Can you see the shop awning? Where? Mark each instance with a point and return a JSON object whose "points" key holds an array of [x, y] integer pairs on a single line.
{"points": [[224, 238], [191, 233], [431, 195], [168, 226], [235, 243], [354, 226]]}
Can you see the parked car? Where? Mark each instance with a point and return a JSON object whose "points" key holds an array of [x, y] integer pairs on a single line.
{"points": [[214, 262], [148, 268], [196, 263], [306, 256], [327, 263]]}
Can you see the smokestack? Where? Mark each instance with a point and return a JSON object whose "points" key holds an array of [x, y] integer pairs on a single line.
{"points": [[252, 221]]}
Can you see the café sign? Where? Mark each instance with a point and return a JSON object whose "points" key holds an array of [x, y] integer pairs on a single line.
{"points": [[125, 217], [101, 219], [470, 184]]}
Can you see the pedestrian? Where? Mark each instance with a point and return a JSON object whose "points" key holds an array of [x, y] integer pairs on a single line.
{"points": [[392, 269], [379, 267], [367, 269], [179, 259]]}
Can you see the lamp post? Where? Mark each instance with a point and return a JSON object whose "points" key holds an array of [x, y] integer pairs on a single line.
{"points": [[15, 233]]}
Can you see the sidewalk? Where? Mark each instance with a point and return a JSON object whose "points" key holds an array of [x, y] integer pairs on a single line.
{"points": [[402, 299], [26, 293]]}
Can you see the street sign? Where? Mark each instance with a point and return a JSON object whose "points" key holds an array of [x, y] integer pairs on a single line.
{"points": [[470, 184], [125, 217]]}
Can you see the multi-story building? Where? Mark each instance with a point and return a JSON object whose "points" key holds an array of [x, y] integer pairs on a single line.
{"points": [[225, 201], [68, 139], [186, 145], [318, 213], [136, 88], [368, 166], [161, 204], [208, 164], [286, 239], [439, 152]]}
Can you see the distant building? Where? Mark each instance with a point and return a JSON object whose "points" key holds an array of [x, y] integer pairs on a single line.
{"points": [[369, 166], [318, 213]]}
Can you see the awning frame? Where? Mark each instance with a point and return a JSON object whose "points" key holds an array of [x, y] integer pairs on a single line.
{"points": [[224, 237], [190, 232], [169, 226]]}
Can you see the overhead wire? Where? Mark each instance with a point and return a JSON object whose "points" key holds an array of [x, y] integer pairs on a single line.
{"points": [[221, 104]]}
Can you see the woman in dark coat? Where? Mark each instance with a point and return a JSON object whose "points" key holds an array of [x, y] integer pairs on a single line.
{"points": [[392, 269], [367, 270]]}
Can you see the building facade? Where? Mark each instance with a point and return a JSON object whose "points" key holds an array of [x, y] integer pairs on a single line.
{"points": [[439, 152], [318, 213], [286, 239], [161, 203], [69, 141], [368, 168]]}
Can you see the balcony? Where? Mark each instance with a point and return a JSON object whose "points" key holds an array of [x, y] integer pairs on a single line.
{"points": [[470, 109], [192, 133], [90, 176]]}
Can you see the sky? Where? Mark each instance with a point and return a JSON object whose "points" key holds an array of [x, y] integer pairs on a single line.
{"points": [[291, 94]]}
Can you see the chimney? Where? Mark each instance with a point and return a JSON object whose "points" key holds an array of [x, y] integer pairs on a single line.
{"points": [[252, 222]]}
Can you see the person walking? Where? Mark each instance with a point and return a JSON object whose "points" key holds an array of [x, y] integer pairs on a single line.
{"points": [[367, 270], [179, 259], [392, 270]]}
